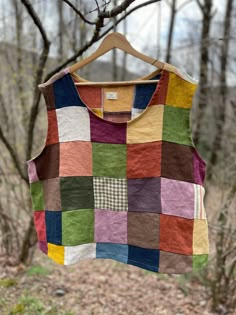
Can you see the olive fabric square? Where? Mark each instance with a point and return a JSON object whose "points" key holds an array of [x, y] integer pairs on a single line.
{"points": [[40, 225], [76, 192], [177, 198], [175, 263], [114, 251], [77, 227], [76, 158], [53, 226], [146, 127], [177, 162], [109, 159], [200, 237], [143, 229], [200, 261], [176, 234], [52, 194], [144, 159], [176, 125], [47, 163], [73, 123], [145, 258], [104, 131], [110, 226], [144, 194], [36, 192], [110, 193]]}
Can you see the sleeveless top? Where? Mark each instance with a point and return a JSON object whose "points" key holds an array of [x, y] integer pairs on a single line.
{"points": [[119, 176]]}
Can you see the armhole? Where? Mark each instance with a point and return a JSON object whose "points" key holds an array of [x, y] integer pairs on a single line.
{"points": [[45, 101]]}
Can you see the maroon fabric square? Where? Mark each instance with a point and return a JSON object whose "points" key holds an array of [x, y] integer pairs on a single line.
{"points": [[177, 161], [47, 163]]}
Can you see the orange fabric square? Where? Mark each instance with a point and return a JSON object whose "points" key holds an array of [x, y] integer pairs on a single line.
{"points": [[52, 135], [144, 159], [91, 95], [75, 158], [176, 234], [39, 224]]}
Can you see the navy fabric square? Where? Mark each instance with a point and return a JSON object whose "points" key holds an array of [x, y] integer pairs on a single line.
{"points": [[143, 257], [112, 250], [143, 94], [65, 92], [53, 227]]}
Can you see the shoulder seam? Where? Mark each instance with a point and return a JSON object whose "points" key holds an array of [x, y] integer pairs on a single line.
{"points": [[53, 78]]}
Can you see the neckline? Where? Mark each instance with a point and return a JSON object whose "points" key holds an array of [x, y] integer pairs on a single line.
{"points": [[157, 92]]}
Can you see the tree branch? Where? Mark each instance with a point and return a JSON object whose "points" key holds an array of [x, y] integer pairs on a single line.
{"points": [[78, 12]]}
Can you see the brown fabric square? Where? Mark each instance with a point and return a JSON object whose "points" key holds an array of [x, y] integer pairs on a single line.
{"points": [[47, 163], [175, 263], [52, 194], [48, 93], [177, 161], [143, 229]]}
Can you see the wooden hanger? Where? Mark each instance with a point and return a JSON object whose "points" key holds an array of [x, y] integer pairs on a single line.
{"points": [[117, 40]]}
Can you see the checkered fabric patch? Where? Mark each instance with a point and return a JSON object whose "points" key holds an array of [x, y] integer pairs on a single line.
{"points": [[110, 193]]}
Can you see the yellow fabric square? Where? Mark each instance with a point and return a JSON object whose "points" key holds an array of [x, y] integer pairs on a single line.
{"points": [[200, 237], [56, 252], [146, 127], [98, 112], [124, 101], [180, 92]]}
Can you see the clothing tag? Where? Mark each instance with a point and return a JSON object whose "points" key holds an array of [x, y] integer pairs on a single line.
{"points": [[111, 95]]}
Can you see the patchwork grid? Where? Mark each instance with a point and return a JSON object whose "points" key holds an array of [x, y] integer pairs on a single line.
{"points": [[131, 191]]}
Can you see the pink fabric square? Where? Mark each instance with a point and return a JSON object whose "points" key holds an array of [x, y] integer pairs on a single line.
{"points": [[32, 173], [110, 226], [177, 198]]}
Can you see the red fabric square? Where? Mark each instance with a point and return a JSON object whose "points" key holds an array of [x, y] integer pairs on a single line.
{"points": [[176, 234], [39, 224]]}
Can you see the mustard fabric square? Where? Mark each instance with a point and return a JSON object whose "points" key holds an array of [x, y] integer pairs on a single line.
{"points": [[124, 101], [147, 127], [200, 237], [180, 92], [56, 252]]}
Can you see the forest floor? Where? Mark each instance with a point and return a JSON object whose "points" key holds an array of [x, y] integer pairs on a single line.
{"points": [[98, 287]]}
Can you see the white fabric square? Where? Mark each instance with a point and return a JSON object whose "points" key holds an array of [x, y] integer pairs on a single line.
{"points": [[73, 123], [79, 252]]}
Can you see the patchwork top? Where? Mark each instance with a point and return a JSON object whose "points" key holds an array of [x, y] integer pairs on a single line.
{"points": [[119, 176]]}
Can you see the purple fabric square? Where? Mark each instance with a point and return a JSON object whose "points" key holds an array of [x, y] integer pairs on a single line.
{"points": [[32, 173], [110, 226], [104, 131], [177, 198], [43, 246], [144, 194], [199, 166]]}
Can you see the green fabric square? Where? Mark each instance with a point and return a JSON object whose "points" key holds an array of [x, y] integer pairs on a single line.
{"points": [[76, 192], [200, 261], [77, 227], [36, 190], [109, 160], [176, 125]]}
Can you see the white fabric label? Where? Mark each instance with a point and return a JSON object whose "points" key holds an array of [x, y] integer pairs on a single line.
{"points": [[111, 95]]}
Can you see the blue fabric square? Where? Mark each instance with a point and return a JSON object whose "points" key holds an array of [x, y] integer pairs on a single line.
{"points": [[113, 251], [65, 92], [143, 94], [53, 226], [144, 257]]}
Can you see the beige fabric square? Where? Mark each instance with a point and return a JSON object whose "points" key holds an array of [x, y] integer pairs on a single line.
{"points": [[52, 195], [200, 237], [124, 101], [147, 127]]}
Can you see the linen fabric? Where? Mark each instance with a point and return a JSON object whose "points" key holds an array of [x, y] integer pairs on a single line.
{"points": [[119, 176]]}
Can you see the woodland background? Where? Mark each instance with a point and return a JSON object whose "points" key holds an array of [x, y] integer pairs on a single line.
{"points": [[39, 38]]}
